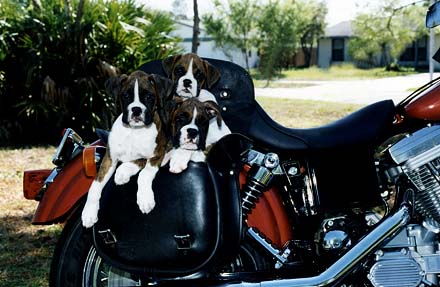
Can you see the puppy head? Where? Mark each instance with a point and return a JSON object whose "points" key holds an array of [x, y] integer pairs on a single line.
{"points": [[190, 123], [139, 96], [189, 74]]}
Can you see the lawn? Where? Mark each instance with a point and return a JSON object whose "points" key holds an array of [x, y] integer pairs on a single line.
{"points": [[26, 250], [335, 72]]}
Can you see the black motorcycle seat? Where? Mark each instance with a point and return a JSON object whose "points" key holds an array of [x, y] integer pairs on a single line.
{"points": [[364, 127]]}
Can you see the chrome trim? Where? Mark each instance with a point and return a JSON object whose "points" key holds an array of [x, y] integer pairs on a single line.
{"points": [[381, 234], [75, 139], [47, 182], [280, 255]]}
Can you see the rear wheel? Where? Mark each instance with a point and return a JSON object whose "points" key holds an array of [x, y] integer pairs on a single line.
{"points": [[76, 264]]}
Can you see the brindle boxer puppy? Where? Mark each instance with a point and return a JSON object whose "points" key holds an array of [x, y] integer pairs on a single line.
{"points": [[137, 139], [190, 74], [189, 129]]}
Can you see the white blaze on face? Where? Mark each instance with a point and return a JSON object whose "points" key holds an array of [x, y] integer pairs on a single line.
{"points": [[136, 110], [190, 134], [187, 84]]}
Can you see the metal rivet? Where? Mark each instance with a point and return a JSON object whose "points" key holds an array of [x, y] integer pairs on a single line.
{"points": [[224, 94], [224, 109]]}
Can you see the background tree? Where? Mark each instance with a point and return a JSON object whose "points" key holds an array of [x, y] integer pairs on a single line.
{"points": [[196, 28], [311, 25], [59, 55], [277, 36], [285, 27], [383, 34], [233, 26]]}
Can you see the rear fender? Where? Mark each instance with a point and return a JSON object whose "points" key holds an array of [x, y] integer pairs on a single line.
{"points": [[64, 194]]}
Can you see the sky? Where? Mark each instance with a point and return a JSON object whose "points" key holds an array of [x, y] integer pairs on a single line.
{"points": [[338, 10]]}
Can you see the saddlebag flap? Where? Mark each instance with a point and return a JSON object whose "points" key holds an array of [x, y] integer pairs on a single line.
{"points": [[180, 236]]}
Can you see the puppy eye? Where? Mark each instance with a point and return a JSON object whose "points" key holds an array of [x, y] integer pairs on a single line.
{"points": [[126, 96], [181, 118], [179, 71], [149, 95], [199, 75]]}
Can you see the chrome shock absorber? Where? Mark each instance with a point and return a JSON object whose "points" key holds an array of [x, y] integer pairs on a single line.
{"points": [[258, 179]]}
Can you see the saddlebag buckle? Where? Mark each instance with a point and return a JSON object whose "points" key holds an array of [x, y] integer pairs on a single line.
{"points": [[108, 236], [183, 241]]}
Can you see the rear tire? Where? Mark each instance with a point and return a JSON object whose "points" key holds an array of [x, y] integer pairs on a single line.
{"points": [[76, 264]]}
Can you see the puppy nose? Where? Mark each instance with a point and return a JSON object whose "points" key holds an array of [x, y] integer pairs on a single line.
{"points": [[187, 83], [192, 133], [136, 111]]}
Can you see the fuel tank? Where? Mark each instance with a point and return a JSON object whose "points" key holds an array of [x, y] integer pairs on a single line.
{"points": [[424, 105]]}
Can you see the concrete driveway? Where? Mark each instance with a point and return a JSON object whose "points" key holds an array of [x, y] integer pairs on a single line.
{"points": [[356, 91]]}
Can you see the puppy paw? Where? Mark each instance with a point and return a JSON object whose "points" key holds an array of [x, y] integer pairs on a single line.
{"points": [[178, 167], [145, 201], [179, 161], [89, 215], [122, 176]]}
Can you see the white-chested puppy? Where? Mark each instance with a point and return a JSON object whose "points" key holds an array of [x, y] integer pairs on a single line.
{"points": [[190, 74], [137, 140], [190, 123], [192, 77]]}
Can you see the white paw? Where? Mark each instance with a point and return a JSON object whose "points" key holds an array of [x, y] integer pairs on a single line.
{"points": [[179, 161], [122, 175], [145, 201], [89, 214]]}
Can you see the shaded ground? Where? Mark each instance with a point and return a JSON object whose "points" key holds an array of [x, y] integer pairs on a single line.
{"points": [[25, 250]]}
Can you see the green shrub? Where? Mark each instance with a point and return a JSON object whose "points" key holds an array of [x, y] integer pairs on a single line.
{"points": [[55, 56]]}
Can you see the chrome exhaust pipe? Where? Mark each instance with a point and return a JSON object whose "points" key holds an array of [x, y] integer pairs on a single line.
{"points": [[346, 263]]}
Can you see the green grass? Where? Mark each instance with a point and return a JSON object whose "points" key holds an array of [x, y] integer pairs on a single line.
{"points": [[304, 113], [26, 250], [335, 72]]}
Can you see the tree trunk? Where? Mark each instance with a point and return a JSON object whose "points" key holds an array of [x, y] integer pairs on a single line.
{"points": [[196, 29]]}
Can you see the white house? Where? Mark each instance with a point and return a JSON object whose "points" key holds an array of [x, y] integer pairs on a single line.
{"points": [[333, 48], [207, 47]]}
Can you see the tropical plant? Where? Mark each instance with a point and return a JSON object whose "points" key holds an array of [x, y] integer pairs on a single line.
{"points": [[59, 54]]}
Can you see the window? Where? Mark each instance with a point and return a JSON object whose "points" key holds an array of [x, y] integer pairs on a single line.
{"points": [[337, 50], [421, 49], [415, 51], [409, 53]]}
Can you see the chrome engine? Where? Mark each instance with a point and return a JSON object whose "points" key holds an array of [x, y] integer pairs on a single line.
{"points": [[418, 156], [412, 257]]}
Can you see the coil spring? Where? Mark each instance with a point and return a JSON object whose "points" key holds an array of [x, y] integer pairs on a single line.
{"points": [[258, 180], [252, 192]]}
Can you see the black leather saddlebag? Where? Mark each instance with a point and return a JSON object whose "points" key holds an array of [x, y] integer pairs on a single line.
{"points": [[180, 236]]}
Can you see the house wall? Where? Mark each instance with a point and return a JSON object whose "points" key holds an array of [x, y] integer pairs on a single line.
{"points": [[324, 53], [208, 49]]}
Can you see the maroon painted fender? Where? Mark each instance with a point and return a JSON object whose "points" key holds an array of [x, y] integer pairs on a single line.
{"points": [[64, 194], [425, 106]]}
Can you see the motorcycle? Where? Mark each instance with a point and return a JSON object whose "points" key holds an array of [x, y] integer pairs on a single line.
{"points": [[352, 203]]}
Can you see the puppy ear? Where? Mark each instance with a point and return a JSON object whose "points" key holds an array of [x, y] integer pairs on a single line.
{"points": [[163, 87], [212, 110], [164, 93], [212, 74], [168, 64], [113, 87]]}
